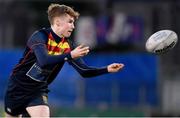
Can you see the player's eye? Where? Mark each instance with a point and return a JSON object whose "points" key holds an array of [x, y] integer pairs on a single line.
{"points": [[71, 21]]}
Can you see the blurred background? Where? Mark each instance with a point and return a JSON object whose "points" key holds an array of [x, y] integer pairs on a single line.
{"points": [[116, 31]]}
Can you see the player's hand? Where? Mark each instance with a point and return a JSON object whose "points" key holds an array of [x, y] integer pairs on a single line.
{"points": [[115, 67], [79, 51]]}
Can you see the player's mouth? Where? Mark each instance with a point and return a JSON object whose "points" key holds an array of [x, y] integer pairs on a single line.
{"points": [[70, 31]]}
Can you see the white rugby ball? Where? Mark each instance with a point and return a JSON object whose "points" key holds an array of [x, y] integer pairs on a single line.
{"points": [[161, 41]]}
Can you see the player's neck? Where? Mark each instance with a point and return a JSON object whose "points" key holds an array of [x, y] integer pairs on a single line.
{"points": [[56, 31]]}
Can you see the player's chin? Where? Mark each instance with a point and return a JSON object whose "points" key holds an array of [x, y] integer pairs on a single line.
{"points": [[68, 34]]}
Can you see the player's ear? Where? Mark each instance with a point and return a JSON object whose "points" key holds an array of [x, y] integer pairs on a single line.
{"points": [[57, 21]]}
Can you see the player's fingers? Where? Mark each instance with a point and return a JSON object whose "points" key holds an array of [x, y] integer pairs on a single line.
{"points": [[85, 48], [114, 65], [85, 52], [121, 65], [80, 46], [117, 65]]}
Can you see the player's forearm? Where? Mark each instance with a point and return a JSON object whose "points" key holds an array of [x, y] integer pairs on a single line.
{"points": [[93, 72], [87, 71]]}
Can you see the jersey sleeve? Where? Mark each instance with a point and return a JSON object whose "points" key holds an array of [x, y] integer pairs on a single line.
{"points": [[37, 38], [85, 70], [37, 43]]}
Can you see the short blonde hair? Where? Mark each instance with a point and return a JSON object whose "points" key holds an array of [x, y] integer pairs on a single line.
{"points": [[55, 10]]}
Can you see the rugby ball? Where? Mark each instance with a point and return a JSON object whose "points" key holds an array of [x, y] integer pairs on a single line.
{"points": [[161, 41]]}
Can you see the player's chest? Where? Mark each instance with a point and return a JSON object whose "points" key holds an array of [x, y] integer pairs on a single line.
{"points": [[57, 48]]}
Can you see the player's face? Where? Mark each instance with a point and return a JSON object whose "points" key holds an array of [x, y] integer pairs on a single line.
{"points": [[66, 25]]}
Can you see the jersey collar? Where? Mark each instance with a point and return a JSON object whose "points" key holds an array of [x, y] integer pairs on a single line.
{"points": [[55, 36]]}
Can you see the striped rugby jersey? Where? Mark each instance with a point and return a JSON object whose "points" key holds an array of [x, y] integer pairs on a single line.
{"points": [[57, 48], [43, 58]]}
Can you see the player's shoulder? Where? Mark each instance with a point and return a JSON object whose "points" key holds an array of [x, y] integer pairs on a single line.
{"points": [[39, 36], [41, 32]]}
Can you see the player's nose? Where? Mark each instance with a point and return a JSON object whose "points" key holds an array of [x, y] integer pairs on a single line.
{"points": [[72, 26]]}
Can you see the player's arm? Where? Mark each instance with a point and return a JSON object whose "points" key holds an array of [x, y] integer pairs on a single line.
{"points": [[81, 67], [87, 71], [45, 59], [37, 43]]}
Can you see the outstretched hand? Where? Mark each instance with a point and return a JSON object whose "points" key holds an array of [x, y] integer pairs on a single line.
{"points": [[115, 67], [79, 51]]}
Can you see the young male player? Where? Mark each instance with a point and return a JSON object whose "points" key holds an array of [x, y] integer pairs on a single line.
{"points": [[46, 52]]}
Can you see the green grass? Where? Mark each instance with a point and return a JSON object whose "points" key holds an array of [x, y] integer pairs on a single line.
{"points": [[1, 112], [90, 112], [96, 113]]}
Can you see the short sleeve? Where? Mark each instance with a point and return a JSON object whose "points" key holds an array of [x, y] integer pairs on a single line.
{"points": [[37, 38]]}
